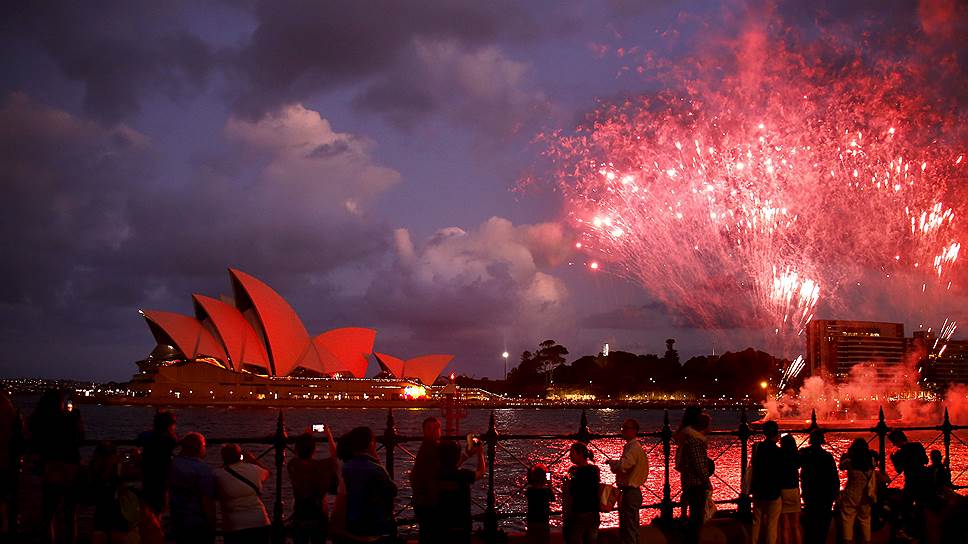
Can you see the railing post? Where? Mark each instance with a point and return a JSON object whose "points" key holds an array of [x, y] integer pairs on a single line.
{"points": [[583, 434], [279, 443], [881, 430], [813, 421], [390, 442], [946, 428], [490, 513], [743, 501], [666, 513]]}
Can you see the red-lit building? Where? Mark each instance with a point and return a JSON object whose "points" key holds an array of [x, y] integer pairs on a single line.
{"points": [[255, 346]]}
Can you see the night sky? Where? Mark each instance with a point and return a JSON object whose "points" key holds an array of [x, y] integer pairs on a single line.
{"points": [[363, 158]]}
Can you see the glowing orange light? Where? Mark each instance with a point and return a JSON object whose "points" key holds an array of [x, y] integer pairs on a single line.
{"points": [[763, 384], [413, 392], [593, 266]]}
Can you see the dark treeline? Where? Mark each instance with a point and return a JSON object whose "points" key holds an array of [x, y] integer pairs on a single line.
{"points": [[733, 374]]}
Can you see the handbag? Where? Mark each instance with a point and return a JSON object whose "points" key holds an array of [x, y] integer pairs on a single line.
{"points": [[710, 506], [607, 497]]}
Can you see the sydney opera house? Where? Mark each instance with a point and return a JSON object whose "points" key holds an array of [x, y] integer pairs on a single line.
{"points": [[253, 346]]}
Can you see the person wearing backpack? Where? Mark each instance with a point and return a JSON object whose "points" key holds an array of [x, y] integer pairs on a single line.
{"points": [[238, 484]]}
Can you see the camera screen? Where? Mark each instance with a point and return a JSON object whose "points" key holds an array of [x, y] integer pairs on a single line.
{"points": [[319, 428]]}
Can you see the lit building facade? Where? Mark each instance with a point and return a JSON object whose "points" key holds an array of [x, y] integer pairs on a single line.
{"points": [[943, 363], [255, 346], [835, 346]]}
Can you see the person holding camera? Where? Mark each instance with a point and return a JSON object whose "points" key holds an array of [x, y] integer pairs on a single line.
{"points": [[239, 489], [312, 479], [454, 490]]}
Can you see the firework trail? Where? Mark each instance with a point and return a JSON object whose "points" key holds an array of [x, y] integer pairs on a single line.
{"points": [[748, 203], [790, 372]]}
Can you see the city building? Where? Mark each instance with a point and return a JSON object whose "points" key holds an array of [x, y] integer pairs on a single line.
{"points": [[255, 346], [835, 346], [943, 362]]}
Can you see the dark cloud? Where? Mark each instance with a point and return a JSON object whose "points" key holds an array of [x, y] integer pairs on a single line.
{"points": [[93, 232], [412, 58], [301, 46], [119, 50], [477, 86]]}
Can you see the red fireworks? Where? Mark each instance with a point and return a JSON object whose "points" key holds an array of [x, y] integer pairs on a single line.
{"points": [[747, 203]]}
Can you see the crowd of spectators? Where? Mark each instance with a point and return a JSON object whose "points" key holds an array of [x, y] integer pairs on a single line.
{"points": [[165, 489]]}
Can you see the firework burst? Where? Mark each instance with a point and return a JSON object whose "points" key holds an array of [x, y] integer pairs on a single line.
{"points": [[750, 204]]}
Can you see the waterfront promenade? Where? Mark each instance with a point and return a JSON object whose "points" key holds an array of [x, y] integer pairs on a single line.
{"points": [[497, 508]]}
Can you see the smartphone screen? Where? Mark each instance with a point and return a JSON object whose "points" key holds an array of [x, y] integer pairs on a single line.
{"points": [[319, 428], [548, 476]]}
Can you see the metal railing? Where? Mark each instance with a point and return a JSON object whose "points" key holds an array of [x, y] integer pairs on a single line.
{"points": [[391, 442]]}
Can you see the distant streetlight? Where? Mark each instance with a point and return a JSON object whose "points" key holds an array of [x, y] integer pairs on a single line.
{"points": [[763, 384], [505, 355]]}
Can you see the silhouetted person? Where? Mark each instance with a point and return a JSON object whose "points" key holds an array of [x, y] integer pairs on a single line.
{"points": [[631, 472], [157, 450], [939, 476], [192, 493], [56, 434], [695, 467], [540, 495], [911, 459], [765, 476], [312, 479], [454, 491], [789, 523], [820, 485], [116, 504], [581, 520], [11, 450], [860, 491], [238, 484], [369, 489], [423, 479]]}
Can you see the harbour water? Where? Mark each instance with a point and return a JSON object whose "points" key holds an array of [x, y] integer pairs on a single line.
{"points": [[512, 456]]}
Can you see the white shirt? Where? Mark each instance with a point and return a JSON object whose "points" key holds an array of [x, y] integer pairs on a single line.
{"points": [[241, 506], [632, 469]]}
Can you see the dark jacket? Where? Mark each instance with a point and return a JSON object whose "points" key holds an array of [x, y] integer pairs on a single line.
{"points": [[911, 460], [766, 465], [818, 477], [583, 489], [423, 477], [369, 497]]}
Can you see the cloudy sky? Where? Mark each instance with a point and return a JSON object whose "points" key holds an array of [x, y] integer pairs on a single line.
{"points": [[363, 158]]}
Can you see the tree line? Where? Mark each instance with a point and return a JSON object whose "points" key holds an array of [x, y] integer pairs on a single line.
{"points": [[734, 374]]}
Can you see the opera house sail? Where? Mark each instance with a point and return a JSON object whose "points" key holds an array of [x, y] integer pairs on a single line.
{"points": [[253, 346]]}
